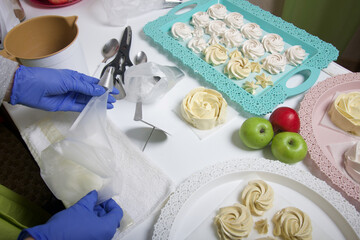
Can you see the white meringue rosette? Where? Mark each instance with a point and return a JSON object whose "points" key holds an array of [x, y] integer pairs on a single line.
{"points": [[251, 31], [216, 54], [198, 32], [200, 19], [234, 20], [216, 27], [273, 43], [217, 11], [252, 49], [213, 40], [274, 63], [231, 38], [180, 30], [204, 108], [295, 55], [197, 45]]}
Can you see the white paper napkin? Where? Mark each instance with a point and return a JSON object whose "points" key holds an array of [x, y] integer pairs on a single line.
{"points": [[145, 186]]}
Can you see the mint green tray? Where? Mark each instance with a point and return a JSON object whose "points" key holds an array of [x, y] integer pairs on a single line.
{"points": [[320, 54]]}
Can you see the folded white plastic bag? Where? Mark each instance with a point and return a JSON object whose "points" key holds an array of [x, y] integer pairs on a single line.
{"points": [[84, 160]]}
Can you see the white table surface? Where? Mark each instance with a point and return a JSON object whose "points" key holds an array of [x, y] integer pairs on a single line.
{"points": [[178, 155]]}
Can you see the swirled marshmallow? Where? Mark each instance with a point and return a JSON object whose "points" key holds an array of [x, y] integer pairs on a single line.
{"points": [[217, 11], [295, 55], [251, 31], [204, 108], [292, 223], [345, 112], [232, 38], [258, 196], [216, 54], [200, 19], [253, 49], [234, 20], [274, 63], [234, 222], [181, 31], [197, 45], [216, 27], [238, 68], [273, 43]]}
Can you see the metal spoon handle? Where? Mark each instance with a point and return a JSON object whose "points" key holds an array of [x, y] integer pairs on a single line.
{"points": [[147, 140]]}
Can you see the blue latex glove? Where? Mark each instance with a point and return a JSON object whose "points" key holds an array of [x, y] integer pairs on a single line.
{"points": [[55, 89], [83, 220]]}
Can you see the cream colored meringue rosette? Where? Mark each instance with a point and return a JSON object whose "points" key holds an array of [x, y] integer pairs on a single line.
{"points": [[345, 112], [258, 196], [204, 108], [292, 223], [233, 222], [238, 68], [215, 54]]}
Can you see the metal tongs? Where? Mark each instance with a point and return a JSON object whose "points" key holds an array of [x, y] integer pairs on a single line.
{"points": [[120, 62]]}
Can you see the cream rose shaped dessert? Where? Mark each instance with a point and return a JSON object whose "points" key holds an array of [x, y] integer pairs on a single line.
{"points": [[258, 196], [200, 19], [251, 31], [292, 223], [345, 112], [273, 43], [216, 27], [234, 222], [204, 108], [253, 49], [295, 55], [238, 68], [216, 54], [181, 31], [217, 11], [234, 20], [232, 38], [274, 63]]}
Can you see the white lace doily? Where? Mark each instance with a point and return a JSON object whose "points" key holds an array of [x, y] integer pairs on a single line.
{"points": [[184, 191]]}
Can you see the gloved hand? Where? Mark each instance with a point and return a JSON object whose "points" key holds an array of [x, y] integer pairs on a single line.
{"points": [[55, 89], [83, 220]]}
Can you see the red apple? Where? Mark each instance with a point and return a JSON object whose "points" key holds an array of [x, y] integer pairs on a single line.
{"points": [[285, 119]]}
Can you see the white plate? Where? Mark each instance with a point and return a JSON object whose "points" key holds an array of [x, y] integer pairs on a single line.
{"points": [[190, 210]]}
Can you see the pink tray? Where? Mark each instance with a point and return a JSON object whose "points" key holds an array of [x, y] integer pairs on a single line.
{"points": [[318, 137]]}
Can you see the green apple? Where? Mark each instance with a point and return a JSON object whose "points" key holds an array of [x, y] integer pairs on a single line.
{"points": [[289, 147], [256, 132]]}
